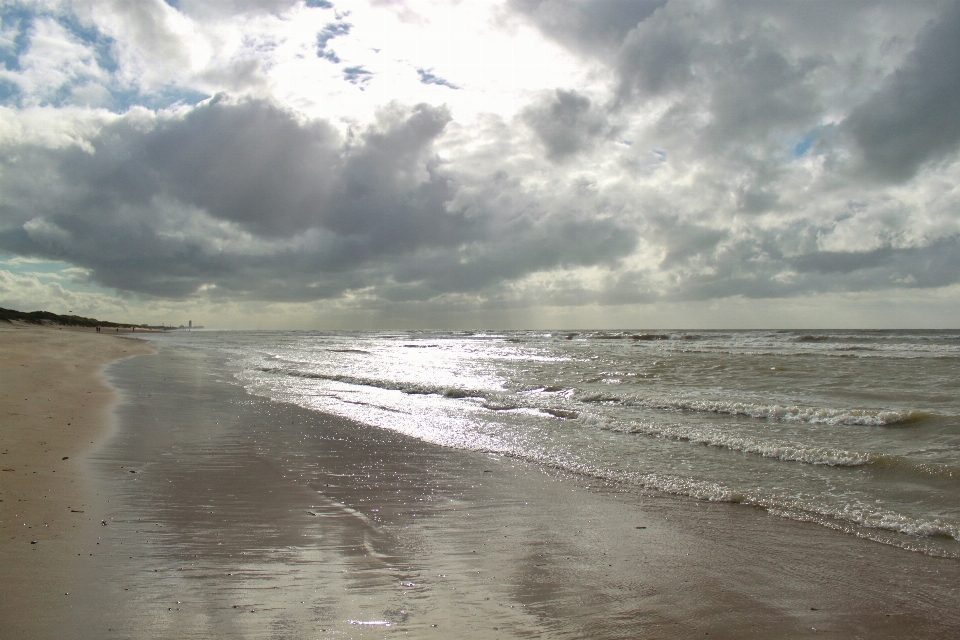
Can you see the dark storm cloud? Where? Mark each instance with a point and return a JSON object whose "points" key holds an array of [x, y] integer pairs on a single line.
{"points": [[755, 267], [248, 201], [685, 242], [729, 68], [657, 57], [566, 123], [730, 88], [914, 118], [529, 241], [251, 164], [934, 265]]}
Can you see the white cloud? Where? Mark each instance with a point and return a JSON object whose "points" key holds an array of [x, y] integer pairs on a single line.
{"points": [[30, 293]]}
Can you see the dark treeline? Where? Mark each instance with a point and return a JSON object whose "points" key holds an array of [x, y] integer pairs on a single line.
{"points": [[43, 317]]}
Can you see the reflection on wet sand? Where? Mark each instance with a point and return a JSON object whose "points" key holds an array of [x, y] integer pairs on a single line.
{"points": [[232, 516], [240, 506]]}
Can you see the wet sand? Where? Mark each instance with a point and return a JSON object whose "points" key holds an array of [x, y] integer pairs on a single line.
{"points": [[54, 405], [233, 516], [229, 515]]}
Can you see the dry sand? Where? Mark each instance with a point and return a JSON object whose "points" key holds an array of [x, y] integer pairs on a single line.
{"points": [[54, 406]]}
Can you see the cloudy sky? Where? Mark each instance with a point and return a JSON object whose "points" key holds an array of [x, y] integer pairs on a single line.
{"points": [[443, 163]]}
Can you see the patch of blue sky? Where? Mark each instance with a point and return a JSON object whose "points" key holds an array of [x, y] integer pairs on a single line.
{"points": [[328, 33], [427, 77], [801, 144], [22, 266], [16, 25], [173, 3], [357, 75], [64, 94], [10, 94], [332, 30], [67, 275], [118, 99], [328, 54], [101, 44], [169, 96], [319, 4]]}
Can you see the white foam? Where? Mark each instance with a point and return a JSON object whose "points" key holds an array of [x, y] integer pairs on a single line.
{"points": [[788, 451], [783, 413]]}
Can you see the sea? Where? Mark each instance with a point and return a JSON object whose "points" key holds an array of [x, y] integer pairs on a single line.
{"points": [[857, 431]]}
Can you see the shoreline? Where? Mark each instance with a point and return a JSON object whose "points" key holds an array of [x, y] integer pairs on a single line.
{"points": [[55, 408]]}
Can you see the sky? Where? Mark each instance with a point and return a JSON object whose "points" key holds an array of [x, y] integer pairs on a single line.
{"points": [[467, 164]]}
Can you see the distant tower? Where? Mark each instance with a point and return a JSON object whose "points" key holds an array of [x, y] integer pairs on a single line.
{"points": [[190, 324]]}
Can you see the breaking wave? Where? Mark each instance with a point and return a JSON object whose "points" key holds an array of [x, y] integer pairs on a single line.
{"points": [[867, 521], [411, 388], [786, 451], [808, 415]]}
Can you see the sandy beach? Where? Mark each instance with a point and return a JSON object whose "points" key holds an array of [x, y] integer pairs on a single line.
{"points": [[229, 515], [55, 406]]}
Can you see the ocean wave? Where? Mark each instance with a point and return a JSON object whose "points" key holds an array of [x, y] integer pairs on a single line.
{"points": [[816, 350], [886, 462], [501, 406], [783, 413], [412, 388], [786, 451], [863, 520], [866, 521], [560, 413], [924, 534], [642, 336], [497, 400]]}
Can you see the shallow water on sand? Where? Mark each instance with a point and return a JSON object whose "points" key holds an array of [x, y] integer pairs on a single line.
{"points": [[853, 430]]}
